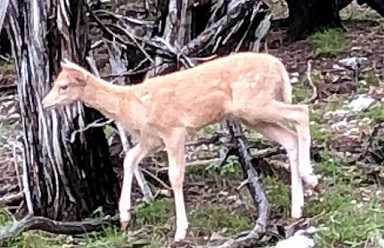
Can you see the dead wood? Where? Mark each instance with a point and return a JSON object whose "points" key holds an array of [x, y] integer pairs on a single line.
{"points": [[10, 199], [60, 227], [3, 11]]}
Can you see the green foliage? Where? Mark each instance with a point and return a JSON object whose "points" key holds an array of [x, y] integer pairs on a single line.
{"points": [[157, 212], [329, 42], [229, 168], [38, 239], [371, 78], [376, 113], [4, 217], [211, 218], [108, 131], [318, 133], [300, 93], [345, 222], [343, 219], [109, 237], [278, 194]]}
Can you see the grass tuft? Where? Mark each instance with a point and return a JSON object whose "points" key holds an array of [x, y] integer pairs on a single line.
{"points": [[375, 113], [211, 218], [329, 42], [157, 212]]}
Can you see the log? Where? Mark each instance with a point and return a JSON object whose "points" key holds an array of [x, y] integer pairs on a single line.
{"points": [[60, 227]]}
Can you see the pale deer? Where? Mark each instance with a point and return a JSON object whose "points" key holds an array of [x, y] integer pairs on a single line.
{"points": [[253, 88]]}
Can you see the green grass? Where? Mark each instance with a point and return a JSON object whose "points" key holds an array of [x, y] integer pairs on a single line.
{"points": [[319, 133], [329, 42], [38, 239], [278, 195], [342, 218], [157, 212], [300, 93], [5, 218], [302, 90], [375, 113], [109, 237], [340, 214], [212, 218]]}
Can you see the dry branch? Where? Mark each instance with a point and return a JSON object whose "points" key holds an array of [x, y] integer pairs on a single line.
{"points": [[48, 225], [9, 199], [3, 12]]}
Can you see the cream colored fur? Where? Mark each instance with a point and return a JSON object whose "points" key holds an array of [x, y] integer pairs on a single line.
{"points": [[162, 111]]}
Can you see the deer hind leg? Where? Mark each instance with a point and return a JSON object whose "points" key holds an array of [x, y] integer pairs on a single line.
{"points": [[289, 141], [304, 135], [297, 115], [279, 113], [131, 161], [174, 144]]}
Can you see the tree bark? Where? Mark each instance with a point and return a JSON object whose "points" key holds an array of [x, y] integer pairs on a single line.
{"points": [[306, 16], [64, 181]]}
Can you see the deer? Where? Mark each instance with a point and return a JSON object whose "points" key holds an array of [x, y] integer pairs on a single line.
{"points": [[163, 111]]}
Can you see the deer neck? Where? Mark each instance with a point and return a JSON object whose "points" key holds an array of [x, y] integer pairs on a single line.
{"points": [[115, 102], [103, 96]]}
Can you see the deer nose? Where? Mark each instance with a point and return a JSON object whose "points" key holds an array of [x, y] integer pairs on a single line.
{"points": [[46, 102]]}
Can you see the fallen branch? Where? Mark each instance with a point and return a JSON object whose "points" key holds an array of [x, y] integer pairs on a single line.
{"points": [[309, 78], [8, 87], [10, 199], [60, 227], [94, 124], [250, 174]]}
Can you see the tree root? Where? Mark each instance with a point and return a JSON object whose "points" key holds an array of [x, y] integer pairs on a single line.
{"points": [[60, 227]]}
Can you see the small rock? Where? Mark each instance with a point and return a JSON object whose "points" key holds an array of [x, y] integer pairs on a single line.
{"points": [[381, 243], [296, 241], [232, 197], [294, 80], [352, 61], [356, 48], [216, 236], [361, 103]]}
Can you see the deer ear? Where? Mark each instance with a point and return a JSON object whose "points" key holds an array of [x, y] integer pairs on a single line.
{"points": [[78, 73], [66, 64], [80, 79]]}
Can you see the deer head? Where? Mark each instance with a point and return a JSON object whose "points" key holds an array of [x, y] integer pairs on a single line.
{"points": [[68, 86]]}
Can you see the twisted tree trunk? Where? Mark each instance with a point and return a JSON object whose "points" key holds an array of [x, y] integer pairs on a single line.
{"points": [[306, 16], [63, 180]]}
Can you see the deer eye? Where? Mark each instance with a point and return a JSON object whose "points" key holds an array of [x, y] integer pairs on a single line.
{"points": [[64, 87]]}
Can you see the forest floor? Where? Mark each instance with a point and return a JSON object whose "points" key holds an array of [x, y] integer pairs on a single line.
{"points": [[347, 154]]}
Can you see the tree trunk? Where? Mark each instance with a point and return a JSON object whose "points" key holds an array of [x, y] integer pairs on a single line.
{"points": [[377, 5], [66, 181], [306, 16]]}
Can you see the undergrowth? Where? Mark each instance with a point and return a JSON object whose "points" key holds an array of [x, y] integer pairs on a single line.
{"points": [[329, 42]]}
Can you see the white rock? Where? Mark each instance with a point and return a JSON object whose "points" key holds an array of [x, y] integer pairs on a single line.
{"points": [[381, 243], [352, 61], [296, 241], [294, 80], [362, 102]]}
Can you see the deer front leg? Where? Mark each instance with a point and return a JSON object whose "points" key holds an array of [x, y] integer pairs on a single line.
{"points": [[131, 161], [175, 149]]}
